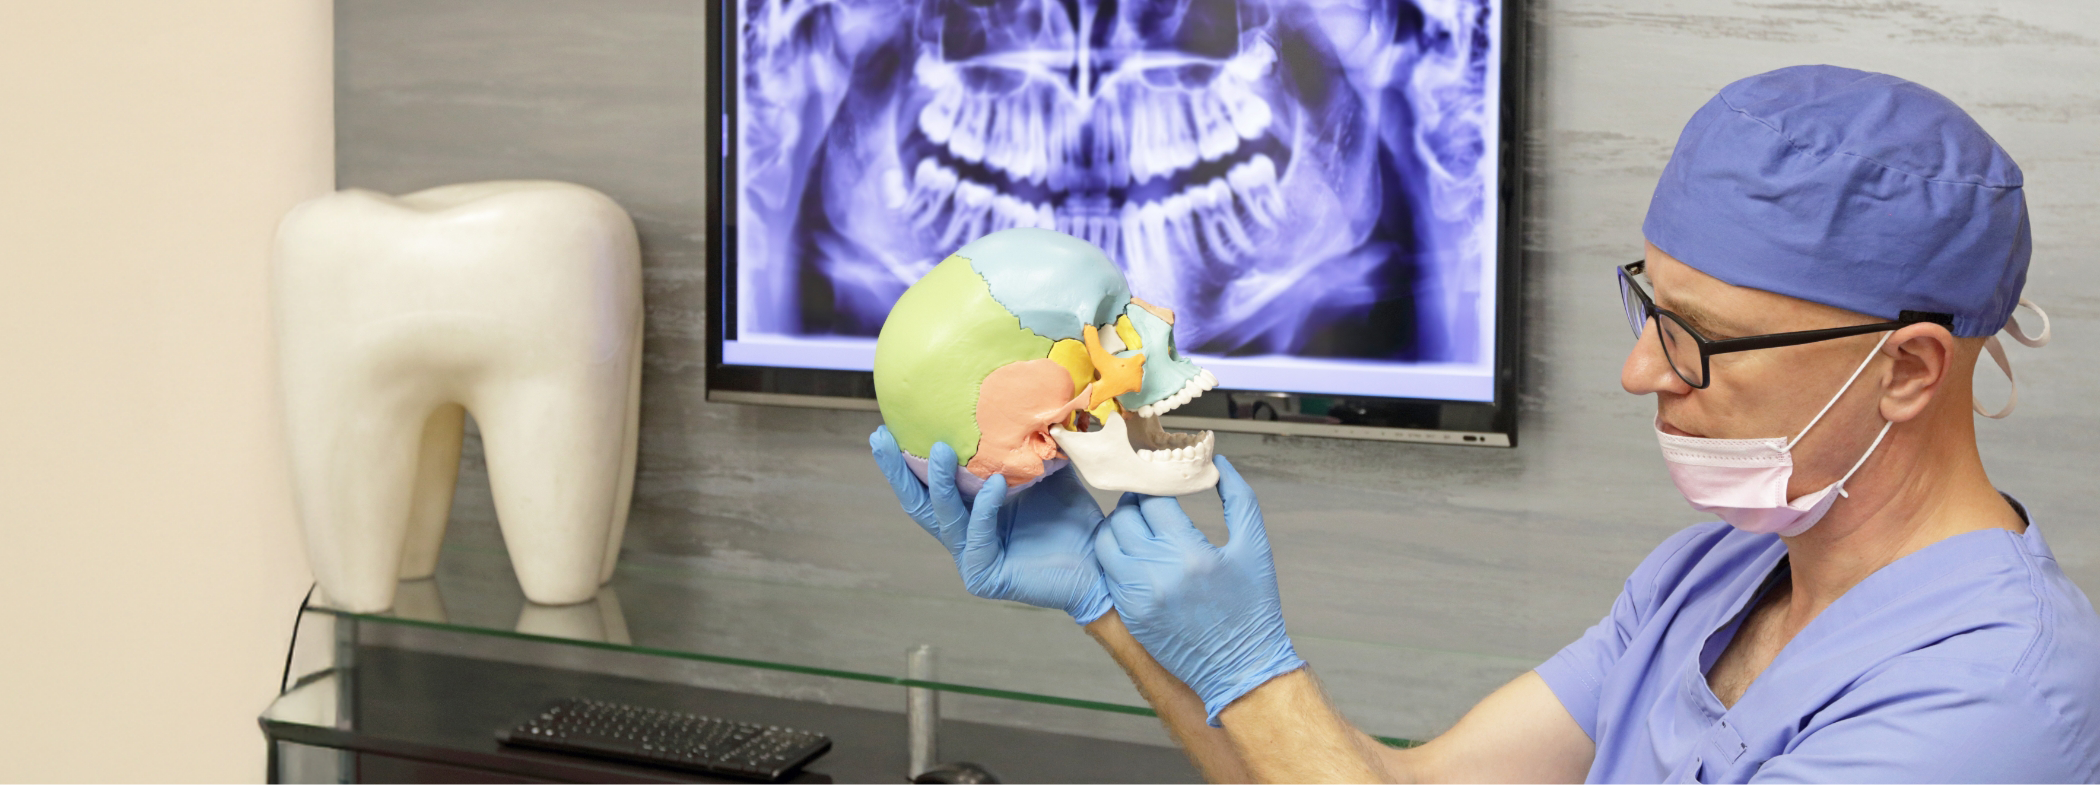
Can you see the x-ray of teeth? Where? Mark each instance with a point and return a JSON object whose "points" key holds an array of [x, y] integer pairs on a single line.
{"points": [[1303, 177]]}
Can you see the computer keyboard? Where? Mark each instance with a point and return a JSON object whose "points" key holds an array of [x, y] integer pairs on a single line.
{"points": [[674, 739]]}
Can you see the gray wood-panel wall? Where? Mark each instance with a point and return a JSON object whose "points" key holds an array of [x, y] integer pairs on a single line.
{"points": [[1415, 578]]}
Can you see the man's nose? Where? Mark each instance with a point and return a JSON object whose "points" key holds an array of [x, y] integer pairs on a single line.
{"points": [[1647, 369]]}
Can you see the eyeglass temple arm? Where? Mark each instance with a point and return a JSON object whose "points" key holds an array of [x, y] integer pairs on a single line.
{"points": [[1773, 341]]}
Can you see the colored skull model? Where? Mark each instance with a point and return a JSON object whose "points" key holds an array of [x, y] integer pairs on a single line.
{"points": [[1024, 349]]}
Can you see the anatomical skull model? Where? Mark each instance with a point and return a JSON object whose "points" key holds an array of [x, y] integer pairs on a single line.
{"points": [[1023, 350]]}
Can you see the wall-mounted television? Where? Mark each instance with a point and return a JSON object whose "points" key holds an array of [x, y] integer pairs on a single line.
{"points": [[1325, 193]]}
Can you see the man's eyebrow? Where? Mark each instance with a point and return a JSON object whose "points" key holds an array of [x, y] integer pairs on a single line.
{"points": [[1701, 320]]}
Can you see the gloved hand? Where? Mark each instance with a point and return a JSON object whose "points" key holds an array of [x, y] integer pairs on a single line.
{"points": [[1210, 615], [1037, 550]]}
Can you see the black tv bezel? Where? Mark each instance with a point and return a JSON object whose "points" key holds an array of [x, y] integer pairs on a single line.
{"points": [[1490, 424]]}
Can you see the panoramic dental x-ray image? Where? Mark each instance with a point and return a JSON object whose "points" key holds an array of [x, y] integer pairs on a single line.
{"points": [[1299, 177]]}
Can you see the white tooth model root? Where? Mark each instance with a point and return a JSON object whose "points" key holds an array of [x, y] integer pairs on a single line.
{"points": [[520, 302]]}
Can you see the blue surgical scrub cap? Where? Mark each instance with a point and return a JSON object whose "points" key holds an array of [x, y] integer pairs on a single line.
{"points": [[1848, 188]]}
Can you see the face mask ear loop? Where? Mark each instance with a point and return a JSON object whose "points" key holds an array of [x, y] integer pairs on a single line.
{"points": [[1863, 458], [1997, 351], [1841, 393]]}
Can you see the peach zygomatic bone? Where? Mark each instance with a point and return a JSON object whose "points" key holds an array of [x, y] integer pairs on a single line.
{"points": [[1024, 350]]}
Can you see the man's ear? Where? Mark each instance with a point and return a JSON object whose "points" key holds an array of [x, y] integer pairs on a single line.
{"points": [[1923, 354]]}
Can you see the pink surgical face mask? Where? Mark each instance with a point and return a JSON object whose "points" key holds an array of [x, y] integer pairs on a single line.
{"points": [[1744, 480]]}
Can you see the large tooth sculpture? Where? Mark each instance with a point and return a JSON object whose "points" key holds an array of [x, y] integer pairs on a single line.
{"points": [[520, 302]]}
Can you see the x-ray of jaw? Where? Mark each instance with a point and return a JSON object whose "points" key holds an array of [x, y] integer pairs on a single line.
{"points": [[1296, 176]]}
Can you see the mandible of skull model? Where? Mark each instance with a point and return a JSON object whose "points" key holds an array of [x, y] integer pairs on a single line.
{"points": [[1025, 350]]}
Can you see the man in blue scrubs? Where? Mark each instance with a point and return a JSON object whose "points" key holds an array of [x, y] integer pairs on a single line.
{"points": [[1830, 252]]}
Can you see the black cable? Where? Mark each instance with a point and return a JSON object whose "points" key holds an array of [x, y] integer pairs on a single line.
{"points": [[284, 682]]}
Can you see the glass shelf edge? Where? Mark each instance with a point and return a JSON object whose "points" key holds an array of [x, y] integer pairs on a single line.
{"points": [[807, 670]]}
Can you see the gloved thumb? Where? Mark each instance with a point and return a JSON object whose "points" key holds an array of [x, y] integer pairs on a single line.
{"points": [[940, 483], [981, 540], [1170, 523], [1242, 511], [910, 492]]}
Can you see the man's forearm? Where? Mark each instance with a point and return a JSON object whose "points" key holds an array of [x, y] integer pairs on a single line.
{"points": [[1180, 709], [1288, 731]]}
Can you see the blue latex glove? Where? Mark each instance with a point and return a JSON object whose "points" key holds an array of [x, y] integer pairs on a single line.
{"points": [[1038, 549], [1210, 615]]}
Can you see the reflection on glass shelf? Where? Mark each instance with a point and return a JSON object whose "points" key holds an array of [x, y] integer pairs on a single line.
{"points": [[599, 621], [986, 648]]}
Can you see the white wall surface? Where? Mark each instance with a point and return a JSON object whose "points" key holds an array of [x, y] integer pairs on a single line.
{"points": [[149, 568]]}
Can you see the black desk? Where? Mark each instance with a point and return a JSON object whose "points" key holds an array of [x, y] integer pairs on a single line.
{"points": [[407, 716]]}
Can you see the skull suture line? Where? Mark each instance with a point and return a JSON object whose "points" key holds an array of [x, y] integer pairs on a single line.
{"points": [[1024, 350], [1262, 166]]}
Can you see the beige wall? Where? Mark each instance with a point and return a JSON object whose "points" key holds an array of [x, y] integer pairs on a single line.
{"points": [[149, 567]]}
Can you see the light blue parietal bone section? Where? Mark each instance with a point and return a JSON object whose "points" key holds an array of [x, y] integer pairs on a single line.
{"points": [[1054, 282]]}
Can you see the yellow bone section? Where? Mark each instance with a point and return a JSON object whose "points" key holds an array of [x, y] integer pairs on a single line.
{"points": [[1072, 355], [1128, 332], [1118, 375]]}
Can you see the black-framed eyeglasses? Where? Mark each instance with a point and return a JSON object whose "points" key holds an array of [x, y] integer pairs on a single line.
{"points": [[1690, 353]]}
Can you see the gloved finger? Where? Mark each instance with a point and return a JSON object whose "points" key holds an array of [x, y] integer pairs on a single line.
{"points": [[981, 542], [1133, 532], [911, 493], [1242, 511], [1108, 552], [1170, 523], [1130, 499], [940, 484]]}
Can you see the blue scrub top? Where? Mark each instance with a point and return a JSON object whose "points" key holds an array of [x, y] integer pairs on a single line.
{"points": [[1971, 660]]}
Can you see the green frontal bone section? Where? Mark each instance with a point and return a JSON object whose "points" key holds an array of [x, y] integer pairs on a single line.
{"points": [[945, 335]]}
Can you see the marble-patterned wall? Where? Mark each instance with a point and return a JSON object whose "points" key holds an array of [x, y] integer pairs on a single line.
{"points": [[1415, 578]]}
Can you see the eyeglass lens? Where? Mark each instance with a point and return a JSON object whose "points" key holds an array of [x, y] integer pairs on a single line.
{"points": [[1679, 347], [1636, 313]]}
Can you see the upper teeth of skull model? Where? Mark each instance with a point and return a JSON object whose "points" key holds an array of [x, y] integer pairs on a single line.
{"points": [[1014, 347], [517, 301]]}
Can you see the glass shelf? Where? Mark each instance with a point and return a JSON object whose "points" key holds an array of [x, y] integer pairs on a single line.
{"points": [[838, 633], [390, 714], [1002, 651]]}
